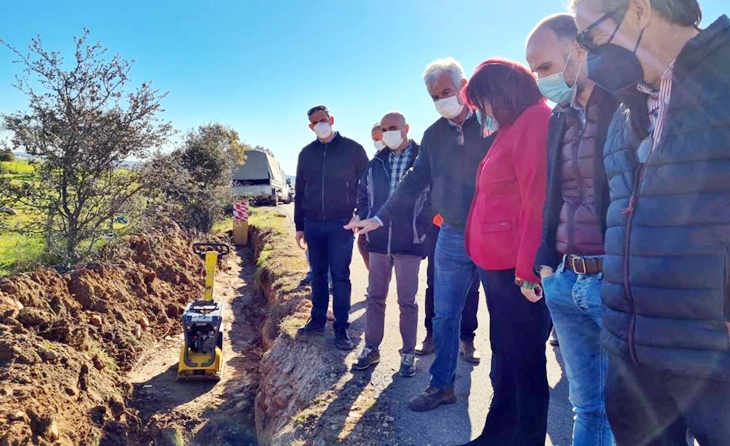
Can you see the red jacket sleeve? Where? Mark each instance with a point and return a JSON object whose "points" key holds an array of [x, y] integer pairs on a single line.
{"points": [[530, 161]]}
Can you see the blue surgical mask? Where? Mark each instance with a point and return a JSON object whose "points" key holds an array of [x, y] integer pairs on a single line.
{"points": [[491, 125], [554, 87]]}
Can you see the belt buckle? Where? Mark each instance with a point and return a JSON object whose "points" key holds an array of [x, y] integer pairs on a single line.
{"points": [[575, 269]]}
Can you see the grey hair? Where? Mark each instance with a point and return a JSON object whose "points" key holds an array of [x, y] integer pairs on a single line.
{"points": [[448, 65], [679, 12], [376, 126]]}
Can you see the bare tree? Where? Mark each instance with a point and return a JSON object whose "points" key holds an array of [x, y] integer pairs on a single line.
{"points": [[83, 121]]}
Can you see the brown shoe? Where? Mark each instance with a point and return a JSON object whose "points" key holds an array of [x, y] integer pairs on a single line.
{"points": [[469, 353], [426, 348], [431, 398]]}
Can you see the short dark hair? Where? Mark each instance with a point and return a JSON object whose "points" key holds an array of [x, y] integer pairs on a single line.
{"points": [[317, 108], [679, 12], [509, 87], [563, 25]]}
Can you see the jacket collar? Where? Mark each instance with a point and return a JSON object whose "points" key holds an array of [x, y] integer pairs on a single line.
{"points": [[383, 154], [597, 97], [336, 139], [703, 45]]}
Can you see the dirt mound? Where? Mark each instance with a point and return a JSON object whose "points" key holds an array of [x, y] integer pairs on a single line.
{"points": [[66, 340]]}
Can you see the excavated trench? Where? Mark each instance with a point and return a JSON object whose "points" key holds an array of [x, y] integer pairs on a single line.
{"points": [[89, 357]]}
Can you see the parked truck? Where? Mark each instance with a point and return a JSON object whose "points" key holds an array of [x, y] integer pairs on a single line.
{"points": [[261, 179]]}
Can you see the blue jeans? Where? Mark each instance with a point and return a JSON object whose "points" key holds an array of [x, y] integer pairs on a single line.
{"points": [[330, 249], [456, 273], [576, 309]]}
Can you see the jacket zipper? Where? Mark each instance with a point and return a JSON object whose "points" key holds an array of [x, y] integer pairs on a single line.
{"points": [[629, 212], [390, 224], [726, 290], [581, 184], [324, 170]]}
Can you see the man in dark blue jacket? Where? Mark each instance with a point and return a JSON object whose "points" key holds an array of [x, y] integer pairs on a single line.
{"points": [[666, 271], [398, 245], [328, 173]]}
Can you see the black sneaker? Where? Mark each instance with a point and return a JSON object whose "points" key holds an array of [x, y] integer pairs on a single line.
{"points": [[307, 280], [367, 358], [311, 327], [343, 341], [407, 365]]}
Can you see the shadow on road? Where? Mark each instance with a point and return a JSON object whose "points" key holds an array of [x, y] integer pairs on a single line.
{"points": [[559, 431]]}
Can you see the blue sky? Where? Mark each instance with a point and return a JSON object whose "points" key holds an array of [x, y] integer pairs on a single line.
{"points": [[259, 65]]}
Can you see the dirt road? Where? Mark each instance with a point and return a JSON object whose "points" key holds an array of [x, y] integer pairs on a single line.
{"points": [[447, 425]]}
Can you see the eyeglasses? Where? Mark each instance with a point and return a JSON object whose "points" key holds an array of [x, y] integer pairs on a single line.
{"points": [[584, 38], [317, 108]]}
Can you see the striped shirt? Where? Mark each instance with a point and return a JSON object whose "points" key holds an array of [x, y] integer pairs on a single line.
{"points": [[398, 166], [658, 104]]}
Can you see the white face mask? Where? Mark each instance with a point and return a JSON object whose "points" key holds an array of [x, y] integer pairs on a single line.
{"points": [[449, 108], [323, 130], [379, 145], [393, 139]]}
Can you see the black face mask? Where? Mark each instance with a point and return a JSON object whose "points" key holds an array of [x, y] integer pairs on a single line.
{"points": [[614, 68]]}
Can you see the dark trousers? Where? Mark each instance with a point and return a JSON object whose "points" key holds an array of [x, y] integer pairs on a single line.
{"points": [[518, 332], [647, 407], [469, 321], [330, 249]]}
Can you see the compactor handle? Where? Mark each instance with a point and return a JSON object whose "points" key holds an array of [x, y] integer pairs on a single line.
{"points": [[221, 248]]}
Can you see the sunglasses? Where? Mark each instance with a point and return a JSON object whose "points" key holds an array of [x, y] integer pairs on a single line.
{"points": [[584, 38], [317, 108]]}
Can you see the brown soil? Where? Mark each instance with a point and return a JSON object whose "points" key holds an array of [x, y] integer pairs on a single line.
{"points": [[69, 342], [307, 396], [207, 413]]}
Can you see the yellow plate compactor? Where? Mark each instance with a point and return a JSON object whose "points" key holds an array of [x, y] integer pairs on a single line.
{"points": [[201, 354]]}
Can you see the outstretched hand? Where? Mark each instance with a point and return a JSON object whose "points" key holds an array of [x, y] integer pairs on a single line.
{"points": [[362, 227]]}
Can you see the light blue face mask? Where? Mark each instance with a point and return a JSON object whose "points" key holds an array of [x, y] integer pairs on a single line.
{"points": [[491, 125], [554, 87]]}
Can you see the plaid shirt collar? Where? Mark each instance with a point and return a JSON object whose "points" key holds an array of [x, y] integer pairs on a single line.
{"points": [[398, 165]]}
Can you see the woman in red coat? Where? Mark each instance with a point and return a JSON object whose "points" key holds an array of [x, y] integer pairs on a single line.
{"points": [[502, 236]]}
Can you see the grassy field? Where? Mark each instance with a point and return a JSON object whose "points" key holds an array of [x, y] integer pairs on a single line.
{"points": [[18, 252], [21, 252]]}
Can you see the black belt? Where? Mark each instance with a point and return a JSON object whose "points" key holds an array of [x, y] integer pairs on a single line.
{"points": [[582, 265]]}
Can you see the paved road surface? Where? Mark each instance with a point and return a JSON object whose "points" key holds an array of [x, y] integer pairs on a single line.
{"points": [[447, 425]]}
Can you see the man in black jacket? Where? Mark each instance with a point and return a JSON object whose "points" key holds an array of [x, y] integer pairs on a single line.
{"points": [[398, 246], [328, 173], [666, 271], [451, 151]]}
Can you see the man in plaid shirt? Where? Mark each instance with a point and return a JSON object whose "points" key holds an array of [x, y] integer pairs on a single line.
{"points": [[399, 245]]}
